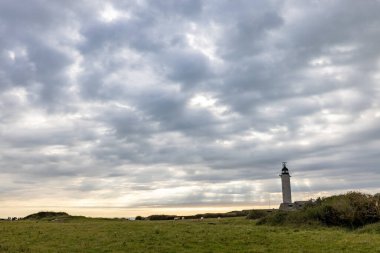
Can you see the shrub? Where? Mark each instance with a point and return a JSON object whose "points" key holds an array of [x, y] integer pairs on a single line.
{"points": [[351, 210], [275, 218], [257, 214], [161, 217], [46, 215]]}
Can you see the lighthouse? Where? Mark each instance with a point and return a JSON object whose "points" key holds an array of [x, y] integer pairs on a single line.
{"points": [[285, 180], [287, 204]]}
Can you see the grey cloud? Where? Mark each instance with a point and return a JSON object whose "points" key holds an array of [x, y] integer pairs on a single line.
{"points": [[107, 107], [182, 8], [188, 68], [35, 63]]}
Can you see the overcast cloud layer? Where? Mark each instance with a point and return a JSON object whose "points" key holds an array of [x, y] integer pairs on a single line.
{"points": [[186, 102]]}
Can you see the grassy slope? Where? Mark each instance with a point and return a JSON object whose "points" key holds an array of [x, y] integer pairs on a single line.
{"points": [[226, 235]]}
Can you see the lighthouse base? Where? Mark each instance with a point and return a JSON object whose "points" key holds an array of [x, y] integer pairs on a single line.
{"points": [[297, 205], [287, 207]]}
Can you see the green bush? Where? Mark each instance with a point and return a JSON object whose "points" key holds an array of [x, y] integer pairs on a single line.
{"points": [[46, 215], [257, 214], [275, 218], [161, 217], [352, 210]]}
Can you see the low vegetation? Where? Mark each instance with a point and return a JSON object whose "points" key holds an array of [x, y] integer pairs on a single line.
{"points": [[351, 210], [231, 214], [51, 216], [257, 214], [46, 215]]}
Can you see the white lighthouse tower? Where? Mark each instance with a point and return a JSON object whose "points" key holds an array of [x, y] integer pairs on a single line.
{"points": [[286, 191]]}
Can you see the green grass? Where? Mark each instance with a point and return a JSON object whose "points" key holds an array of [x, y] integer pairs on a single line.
{"points": [[210, 235]]}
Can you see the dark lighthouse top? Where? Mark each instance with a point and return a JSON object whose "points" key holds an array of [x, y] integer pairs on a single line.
{"points": [[284, 169]]}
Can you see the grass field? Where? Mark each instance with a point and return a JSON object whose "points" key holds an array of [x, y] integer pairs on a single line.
{"points": [[209, 235]]}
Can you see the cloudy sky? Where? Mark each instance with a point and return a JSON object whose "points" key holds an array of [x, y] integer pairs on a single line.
{"points": [[108, 107]]}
